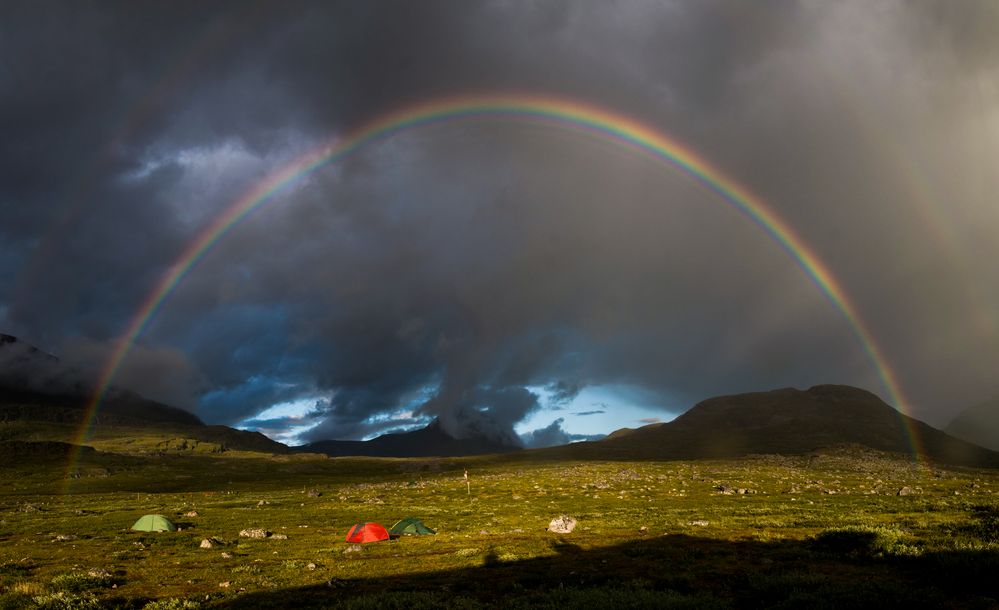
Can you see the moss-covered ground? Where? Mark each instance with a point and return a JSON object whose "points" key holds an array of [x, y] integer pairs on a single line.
{"points": [[838, 528]]}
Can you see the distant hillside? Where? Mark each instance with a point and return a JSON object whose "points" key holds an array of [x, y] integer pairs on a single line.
{"points": [[42, 400], [121, 408], [978, 424], [431, 441], [782, 421], [34, 380]]}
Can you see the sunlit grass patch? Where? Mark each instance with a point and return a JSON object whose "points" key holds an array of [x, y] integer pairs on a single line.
{"points": [[173, 603], [65, 600], [868, 541], [76, 582]]}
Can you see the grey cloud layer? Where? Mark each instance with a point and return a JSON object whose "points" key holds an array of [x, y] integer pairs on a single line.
{"points": [[445, 270]]}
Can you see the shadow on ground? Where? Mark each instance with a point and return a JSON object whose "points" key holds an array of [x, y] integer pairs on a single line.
{"points": [[673, 571]]}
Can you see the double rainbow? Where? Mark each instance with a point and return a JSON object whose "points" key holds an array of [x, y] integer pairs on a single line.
{"points": [[567, 114]]}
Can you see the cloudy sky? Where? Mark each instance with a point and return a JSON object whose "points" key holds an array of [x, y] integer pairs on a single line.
{"points": [[502, 274]]}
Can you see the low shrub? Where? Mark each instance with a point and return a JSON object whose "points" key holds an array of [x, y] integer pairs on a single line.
{"points": [[76, 582]]}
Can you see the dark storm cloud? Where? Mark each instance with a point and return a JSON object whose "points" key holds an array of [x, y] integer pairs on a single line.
{"points": [[445, 272], [554, 434], [549, 436]]}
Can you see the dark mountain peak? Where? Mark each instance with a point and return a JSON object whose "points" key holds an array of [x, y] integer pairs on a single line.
{"points": [[821, 403], [436, 427], [13, 351], [430, 441], [842, 392], [37, 385]]}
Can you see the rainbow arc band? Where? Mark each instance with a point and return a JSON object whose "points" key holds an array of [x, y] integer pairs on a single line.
{"points": [[598, 122]]}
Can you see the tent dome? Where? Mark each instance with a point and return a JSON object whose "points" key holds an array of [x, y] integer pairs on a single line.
{"points": [[367, 532], [410, 526], [154, 523]]}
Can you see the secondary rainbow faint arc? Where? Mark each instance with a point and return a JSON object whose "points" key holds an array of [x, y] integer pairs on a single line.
{"points": [[603, 123]]}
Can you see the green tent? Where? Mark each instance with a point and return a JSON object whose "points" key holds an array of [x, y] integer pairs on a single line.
{"points": [[410, 527], [154, 523]]}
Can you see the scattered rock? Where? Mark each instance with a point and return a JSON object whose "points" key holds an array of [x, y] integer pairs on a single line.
{"points": [[699, 522], [65, 538], [100, 573], [562, 524], [27, 507], [352, 548], [254, 532], [208, 543], [280, 536], [263, 503], [726, 489], [314, 493], [905, 491]]}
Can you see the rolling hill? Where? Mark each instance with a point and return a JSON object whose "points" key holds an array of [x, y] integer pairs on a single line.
{"points": [[785, 421]]}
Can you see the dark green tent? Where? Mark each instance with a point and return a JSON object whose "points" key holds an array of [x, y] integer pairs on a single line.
{"points": [[410, 527], [154, 523]]}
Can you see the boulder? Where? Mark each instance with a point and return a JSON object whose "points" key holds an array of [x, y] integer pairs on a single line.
{"points": [[254, 532], [562, 524]]}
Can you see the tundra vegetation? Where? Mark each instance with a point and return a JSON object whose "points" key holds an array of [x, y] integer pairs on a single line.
{"points": [[838, 527]]}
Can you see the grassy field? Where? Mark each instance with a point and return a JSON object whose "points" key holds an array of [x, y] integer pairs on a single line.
{"points": [[838, 528]]}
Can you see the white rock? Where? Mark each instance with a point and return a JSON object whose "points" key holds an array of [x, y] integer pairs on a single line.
{"points": [[562, 524], [254, 532]]}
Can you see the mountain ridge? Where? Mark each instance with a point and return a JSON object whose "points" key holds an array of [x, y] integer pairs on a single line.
{"points": [[430, 441], [55, 412], [783, 421]]}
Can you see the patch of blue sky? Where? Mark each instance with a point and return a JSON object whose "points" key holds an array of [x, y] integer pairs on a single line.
{"points": [[401, 420], [290, 409], [289, 434], [623, 406]]}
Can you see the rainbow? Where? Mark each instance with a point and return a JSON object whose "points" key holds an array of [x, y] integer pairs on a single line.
{"points": [[599, 122]]}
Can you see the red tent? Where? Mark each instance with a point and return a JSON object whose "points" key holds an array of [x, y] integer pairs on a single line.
{"points": [[367, 532]]}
